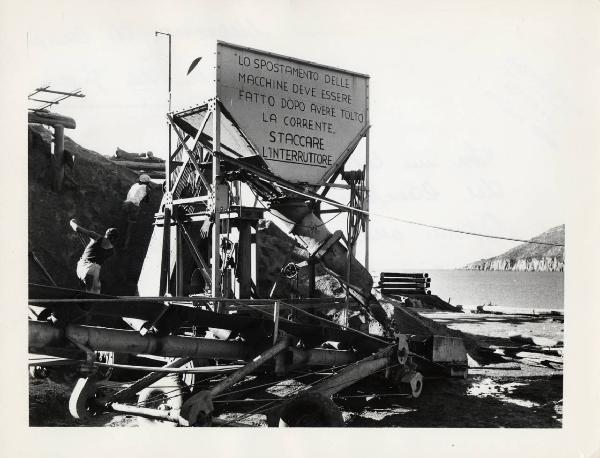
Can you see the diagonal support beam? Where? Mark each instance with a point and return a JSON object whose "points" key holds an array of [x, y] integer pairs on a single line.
{"points": [[190, 153], [202, 265], [145, 382]]}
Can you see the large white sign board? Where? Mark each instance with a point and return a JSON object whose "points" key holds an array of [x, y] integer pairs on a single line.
{"points": [[301, 117]]}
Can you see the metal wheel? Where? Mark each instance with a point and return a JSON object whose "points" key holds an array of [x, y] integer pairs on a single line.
{"points": [[310, 410], [80, 401]]}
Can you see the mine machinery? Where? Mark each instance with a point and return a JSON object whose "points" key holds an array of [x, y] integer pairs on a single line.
{"points": [[217, 342]]}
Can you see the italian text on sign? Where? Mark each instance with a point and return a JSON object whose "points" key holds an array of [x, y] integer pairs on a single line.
{"points": [[300, 116]]}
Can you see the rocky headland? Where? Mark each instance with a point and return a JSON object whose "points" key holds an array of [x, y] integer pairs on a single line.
{"points": [[529, 257]]}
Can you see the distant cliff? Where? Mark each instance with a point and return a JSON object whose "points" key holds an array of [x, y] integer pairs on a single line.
{"points": [[529, 257]]}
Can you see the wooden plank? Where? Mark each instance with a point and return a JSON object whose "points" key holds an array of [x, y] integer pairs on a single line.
{"points": [[149, 165]]}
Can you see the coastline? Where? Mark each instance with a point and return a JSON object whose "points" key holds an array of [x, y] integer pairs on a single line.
{"points": [[506, 291]]}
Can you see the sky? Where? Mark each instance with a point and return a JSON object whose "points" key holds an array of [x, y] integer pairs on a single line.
{"points": [[484, 117], [478, 108]]}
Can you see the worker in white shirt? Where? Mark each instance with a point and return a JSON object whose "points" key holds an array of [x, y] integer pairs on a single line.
{"points": [[138, 193]]}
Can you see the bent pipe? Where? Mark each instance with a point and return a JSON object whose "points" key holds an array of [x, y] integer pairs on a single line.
{"points": [[298, 219], [310, 231]]}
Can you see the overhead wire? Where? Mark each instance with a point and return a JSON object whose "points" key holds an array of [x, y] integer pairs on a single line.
{"points": [[406, 221]]}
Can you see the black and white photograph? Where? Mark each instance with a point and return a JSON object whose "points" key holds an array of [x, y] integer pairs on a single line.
{"points": [[333, 216]]}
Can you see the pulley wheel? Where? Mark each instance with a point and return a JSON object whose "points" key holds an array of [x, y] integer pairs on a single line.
{"points": [[165, 394], [414, 381]]}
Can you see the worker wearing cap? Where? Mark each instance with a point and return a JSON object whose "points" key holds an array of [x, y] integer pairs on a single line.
{"points": [[138, 193], [98, 250]]}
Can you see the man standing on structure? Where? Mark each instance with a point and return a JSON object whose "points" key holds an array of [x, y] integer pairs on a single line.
{"points": [[98, 250], [138, 193]]}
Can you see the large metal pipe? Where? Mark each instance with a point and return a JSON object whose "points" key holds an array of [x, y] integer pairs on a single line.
{"points": [[415, 281], [310, 231], [180, 315], [389, 275], [321, 357], [43, 334]]}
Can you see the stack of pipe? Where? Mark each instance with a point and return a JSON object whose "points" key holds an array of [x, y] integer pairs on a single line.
{"points": [[404, 283], [141, 163]]}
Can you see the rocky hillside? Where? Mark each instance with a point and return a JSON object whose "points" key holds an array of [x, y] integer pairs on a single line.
{"points": [[529, 257], [92, 194]]}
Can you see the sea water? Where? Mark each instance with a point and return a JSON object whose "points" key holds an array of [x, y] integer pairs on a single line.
{"points": [[503, 289]]}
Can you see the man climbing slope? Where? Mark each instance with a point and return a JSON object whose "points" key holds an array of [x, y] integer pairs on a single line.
{"points": [[98, 250], [138, 193]]}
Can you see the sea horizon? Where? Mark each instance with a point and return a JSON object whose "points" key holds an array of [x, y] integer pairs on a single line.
{"points": [[498, 290]]}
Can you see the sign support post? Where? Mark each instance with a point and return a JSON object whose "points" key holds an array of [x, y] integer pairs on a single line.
{"points": [[366, 201], [216, 177]]}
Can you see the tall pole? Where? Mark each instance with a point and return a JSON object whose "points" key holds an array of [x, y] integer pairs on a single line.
{"points": [[367, 182], [168, 35], [170, 92], [166, 255]]}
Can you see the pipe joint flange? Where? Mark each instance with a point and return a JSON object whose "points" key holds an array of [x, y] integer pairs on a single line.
{"points": [[402, 352], [415, 382]]}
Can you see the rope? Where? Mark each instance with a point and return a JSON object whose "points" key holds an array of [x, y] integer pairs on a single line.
{"points": [[431, 226]]}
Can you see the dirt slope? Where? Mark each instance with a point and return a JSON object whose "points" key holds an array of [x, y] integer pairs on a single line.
{"points": [[96, 203]]}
